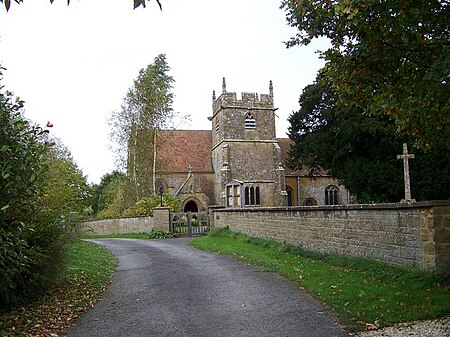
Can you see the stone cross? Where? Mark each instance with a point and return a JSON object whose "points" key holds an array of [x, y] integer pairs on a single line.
{"points": [[405, 156]]}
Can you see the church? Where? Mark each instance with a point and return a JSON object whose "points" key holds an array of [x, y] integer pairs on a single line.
{"points": [[239, 162]]}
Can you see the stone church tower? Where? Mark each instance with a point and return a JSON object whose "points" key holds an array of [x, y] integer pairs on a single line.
{"points": [[246, 156]]}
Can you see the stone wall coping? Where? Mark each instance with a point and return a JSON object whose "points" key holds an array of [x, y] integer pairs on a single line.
{"points": [[399, 205], [124, 217], [216, 207]]}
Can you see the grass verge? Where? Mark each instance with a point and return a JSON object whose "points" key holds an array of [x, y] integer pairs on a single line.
{"points": [[88, 271], [364, 294]]}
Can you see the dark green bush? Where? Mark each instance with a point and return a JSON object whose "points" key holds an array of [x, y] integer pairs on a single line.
{"points": [[160, 235], [31, 240]]}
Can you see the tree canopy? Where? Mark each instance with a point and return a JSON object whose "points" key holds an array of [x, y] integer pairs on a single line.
{"points": [[146, 108], [66, 193], [390, 58], [136, 3], [360, 150]]}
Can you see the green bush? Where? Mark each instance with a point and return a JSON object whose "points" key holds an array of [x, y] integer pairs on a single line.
{"points": [[145, 206], [160, 235], [31, 240], [108, 214]]}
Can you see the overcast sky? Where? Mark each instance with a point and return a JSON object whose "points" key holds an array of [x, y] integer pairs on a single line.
{"points": [[73, 64]]}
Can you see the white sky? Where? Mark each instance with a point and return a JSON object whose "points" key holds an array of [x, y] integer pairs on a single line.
{"points": [[73, 64]]}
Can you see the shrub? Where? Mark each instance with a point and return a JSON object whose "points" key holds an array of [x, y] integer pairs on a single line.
{"points": [[31, 239], [160, 235], [108, 214], [145, 206]]}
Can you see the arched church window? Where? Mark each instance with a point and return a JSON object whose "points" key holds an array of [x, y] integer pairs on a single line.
{"points": [[331, 195], [160, 182], [250, 122], [289, 192], [310, 202]]}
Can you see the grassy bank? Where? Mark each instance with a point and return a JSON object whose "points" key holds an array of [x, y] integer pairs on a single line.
{"points": [[88, 271], [364, 294]]}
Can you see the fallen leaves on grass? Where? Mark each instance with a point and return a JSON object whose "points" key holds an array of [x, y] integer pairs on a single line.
{"points": [[53, 314]]}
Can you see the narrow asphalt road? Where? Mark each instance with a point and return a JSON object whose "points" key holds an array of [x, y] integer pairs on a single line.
{"points": [[166, 288]]}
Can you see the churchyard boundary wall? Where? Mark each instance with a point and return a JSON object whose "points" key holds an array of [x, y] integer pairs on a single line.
{"points": [[412, 235], [159, 221]]}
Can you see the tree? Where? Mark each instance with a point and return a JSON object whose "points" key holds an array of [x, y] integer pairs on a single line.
{"points": [[115, 199], [136, 3], [391, 58], [146, 108], [360, 150], [66, 193], [102, 190]]}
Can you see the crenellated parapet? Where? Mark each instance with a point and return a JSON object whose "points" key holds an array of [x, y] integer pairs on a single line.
{"points": [[247, 101]]}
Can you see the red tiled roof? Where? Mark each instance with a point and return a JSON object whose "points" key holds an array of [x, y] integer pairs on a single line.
{"points": [[177, 149], [285, 145]]}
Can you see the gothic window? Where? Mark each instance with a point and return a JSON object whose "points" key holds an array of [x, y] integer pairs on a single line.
{"points": [[331, 195], [160, 182], [252, 196], [310, 202], [250, 122], [234, 196], [289, 192]]}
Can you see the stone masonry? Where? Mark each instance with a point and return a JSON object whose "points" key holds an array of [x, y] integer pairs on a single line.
{"points": [[413, 235]]}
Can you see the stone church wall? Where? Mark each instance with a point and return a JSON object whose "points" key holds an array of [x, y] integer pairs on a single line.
{"points": [[416, 235]]}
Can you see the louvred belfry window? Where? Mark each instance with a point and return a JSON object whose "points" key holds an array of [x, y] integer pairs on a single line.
{"points": [[250, 122]]}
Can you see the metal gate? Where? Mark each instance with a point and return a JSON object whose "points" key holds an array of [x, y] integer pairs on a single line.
{"points": [[189, 223]]}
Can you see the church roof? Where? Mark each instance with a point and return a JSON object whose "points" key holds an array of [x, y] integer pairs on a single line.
{"points": [[180, 149]]}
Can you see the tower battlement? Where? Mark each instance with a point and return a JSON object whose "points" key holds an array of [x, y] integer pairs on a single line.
{"points": [[248, 100]]}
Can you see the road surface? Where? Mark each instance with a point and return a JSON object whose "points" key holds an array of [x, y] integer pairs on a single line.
{"points": [[166, 288]]}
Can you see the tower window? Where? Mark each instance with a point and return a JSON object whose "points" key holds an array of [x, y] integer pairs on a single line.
{"points": [[217, 127], [331, 195], [252, 196], [250, 122]]}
